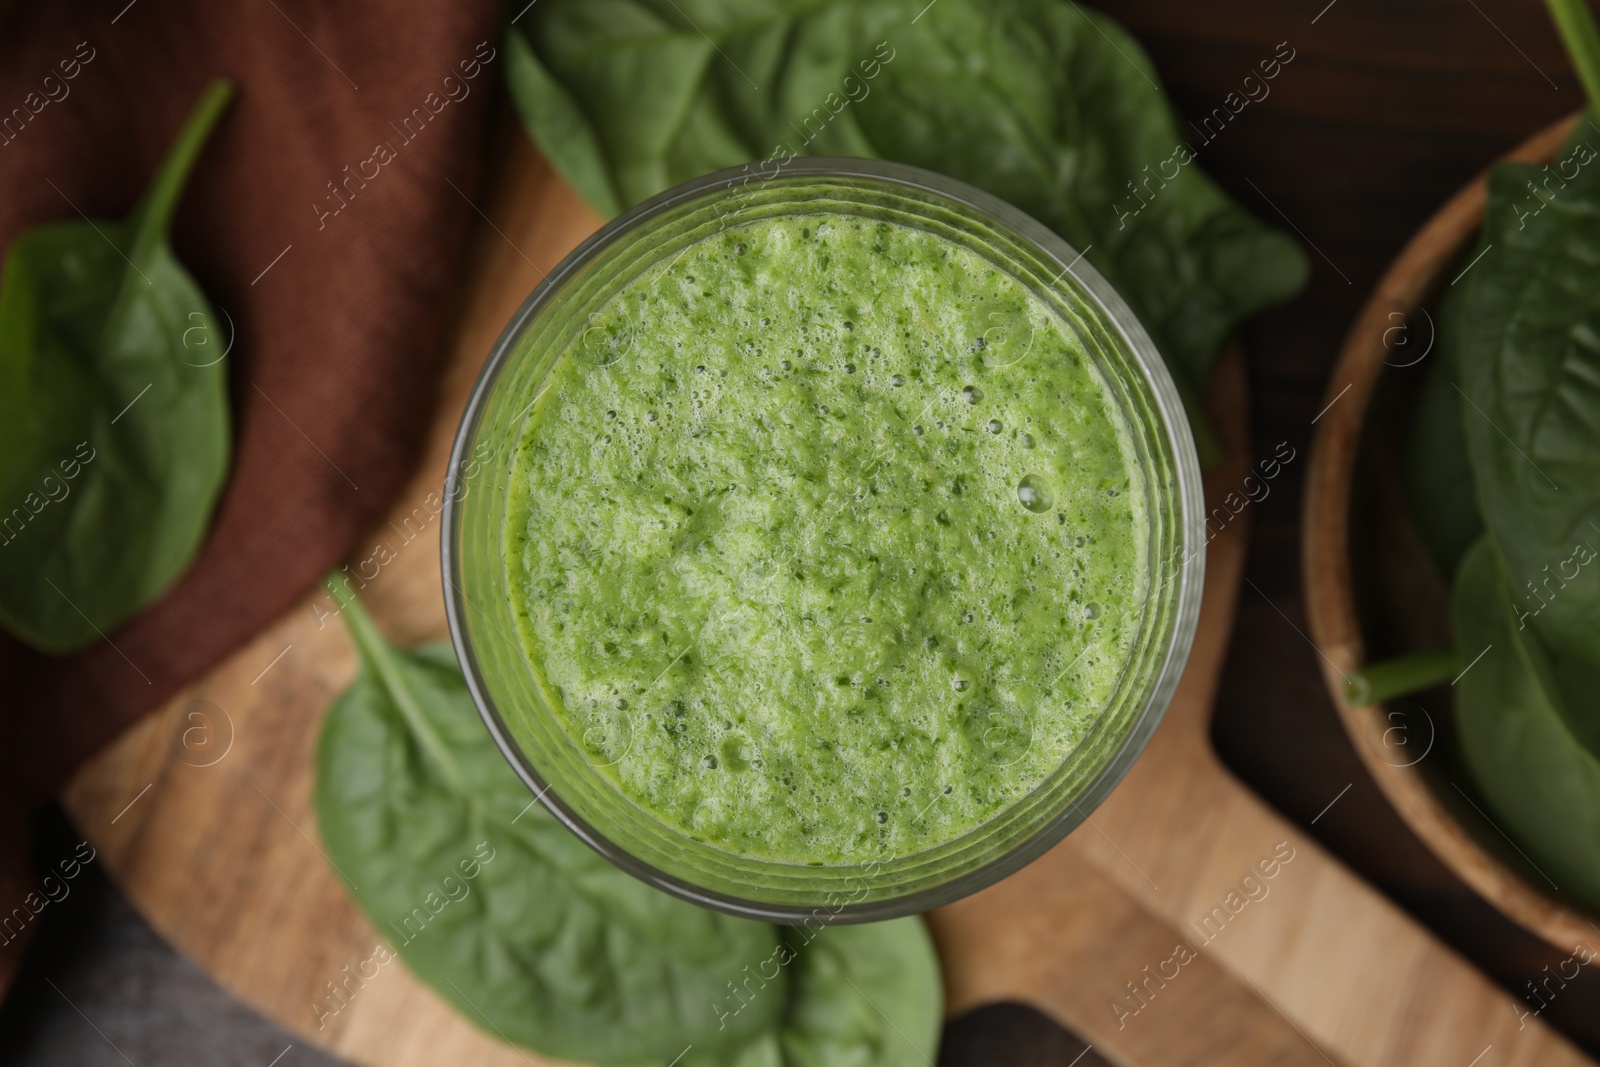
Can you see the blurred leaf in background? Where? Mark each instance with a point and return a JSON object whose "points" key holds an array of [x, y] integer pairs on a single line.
{"points": [[114, 428]]}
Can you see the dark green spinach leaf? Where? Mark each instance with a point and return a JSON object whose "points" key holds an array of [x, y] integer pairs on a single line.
{"points": [[1540, 780], [867, 995], [545, 944], [864, 994], [1039, 102], [1520, 348], [1522, 333], [114, 430]]}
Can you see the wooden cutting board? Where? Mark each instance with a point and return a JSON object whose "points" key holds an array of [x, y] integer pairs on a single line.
{"points": [[1151, 931]]}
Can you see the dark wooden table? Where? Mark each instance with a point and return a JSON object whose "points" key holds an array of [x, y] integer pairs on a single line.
{"points": [[1387, 107]]}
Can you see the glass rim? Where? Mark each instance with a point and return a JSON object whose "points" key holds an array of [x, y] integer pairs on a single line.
{"points": [[1189, 506]]}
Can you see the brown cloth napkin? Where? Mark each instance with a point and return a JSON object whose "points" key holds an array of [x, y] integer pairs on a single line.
{"points": [[337, 315]]}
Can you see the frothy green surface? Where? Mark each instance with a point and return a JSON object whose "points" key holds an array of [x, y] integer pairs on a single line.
{"points": [[827, 540]]}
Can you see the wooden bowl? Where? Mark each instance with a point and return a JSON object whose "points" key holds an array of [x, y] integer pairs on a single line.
{"points": [[1371, 589]]}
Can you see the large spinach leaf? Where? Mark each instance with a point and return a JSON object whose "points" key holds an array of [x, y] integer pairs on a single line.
{"points": [[545, 944], [1039, 102], [114, 435], [863, 996], [1523, 336], [1539, 778], [1520, 339]]}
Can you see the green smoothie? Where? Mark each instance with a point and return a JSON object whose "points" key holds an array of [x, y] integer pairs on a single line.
{"points": [[826, 540]]}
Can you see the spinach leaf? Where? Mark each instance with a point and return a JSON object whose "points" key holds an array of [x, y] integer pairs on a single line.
{"points": [[862, 995], [1039, 102], [1520, 337], [114, 429], [492, 902], [1437, 473], [1522, 331], [1540, 780]]}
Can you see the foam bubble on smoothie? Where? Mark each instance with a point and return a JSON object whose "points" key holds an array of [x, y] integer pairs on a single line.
{"points": [[834, 546]]}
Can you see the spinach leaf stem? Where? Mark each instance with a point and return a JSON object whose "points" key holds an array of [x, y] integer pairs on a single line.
{"points": [[377, 654], [1579, 34], [154, 214], [1391, 678]]}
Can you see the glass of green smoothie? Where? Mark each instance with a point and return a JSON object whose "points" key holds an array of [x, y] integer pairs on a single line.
{"points": [[823, 540]]}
